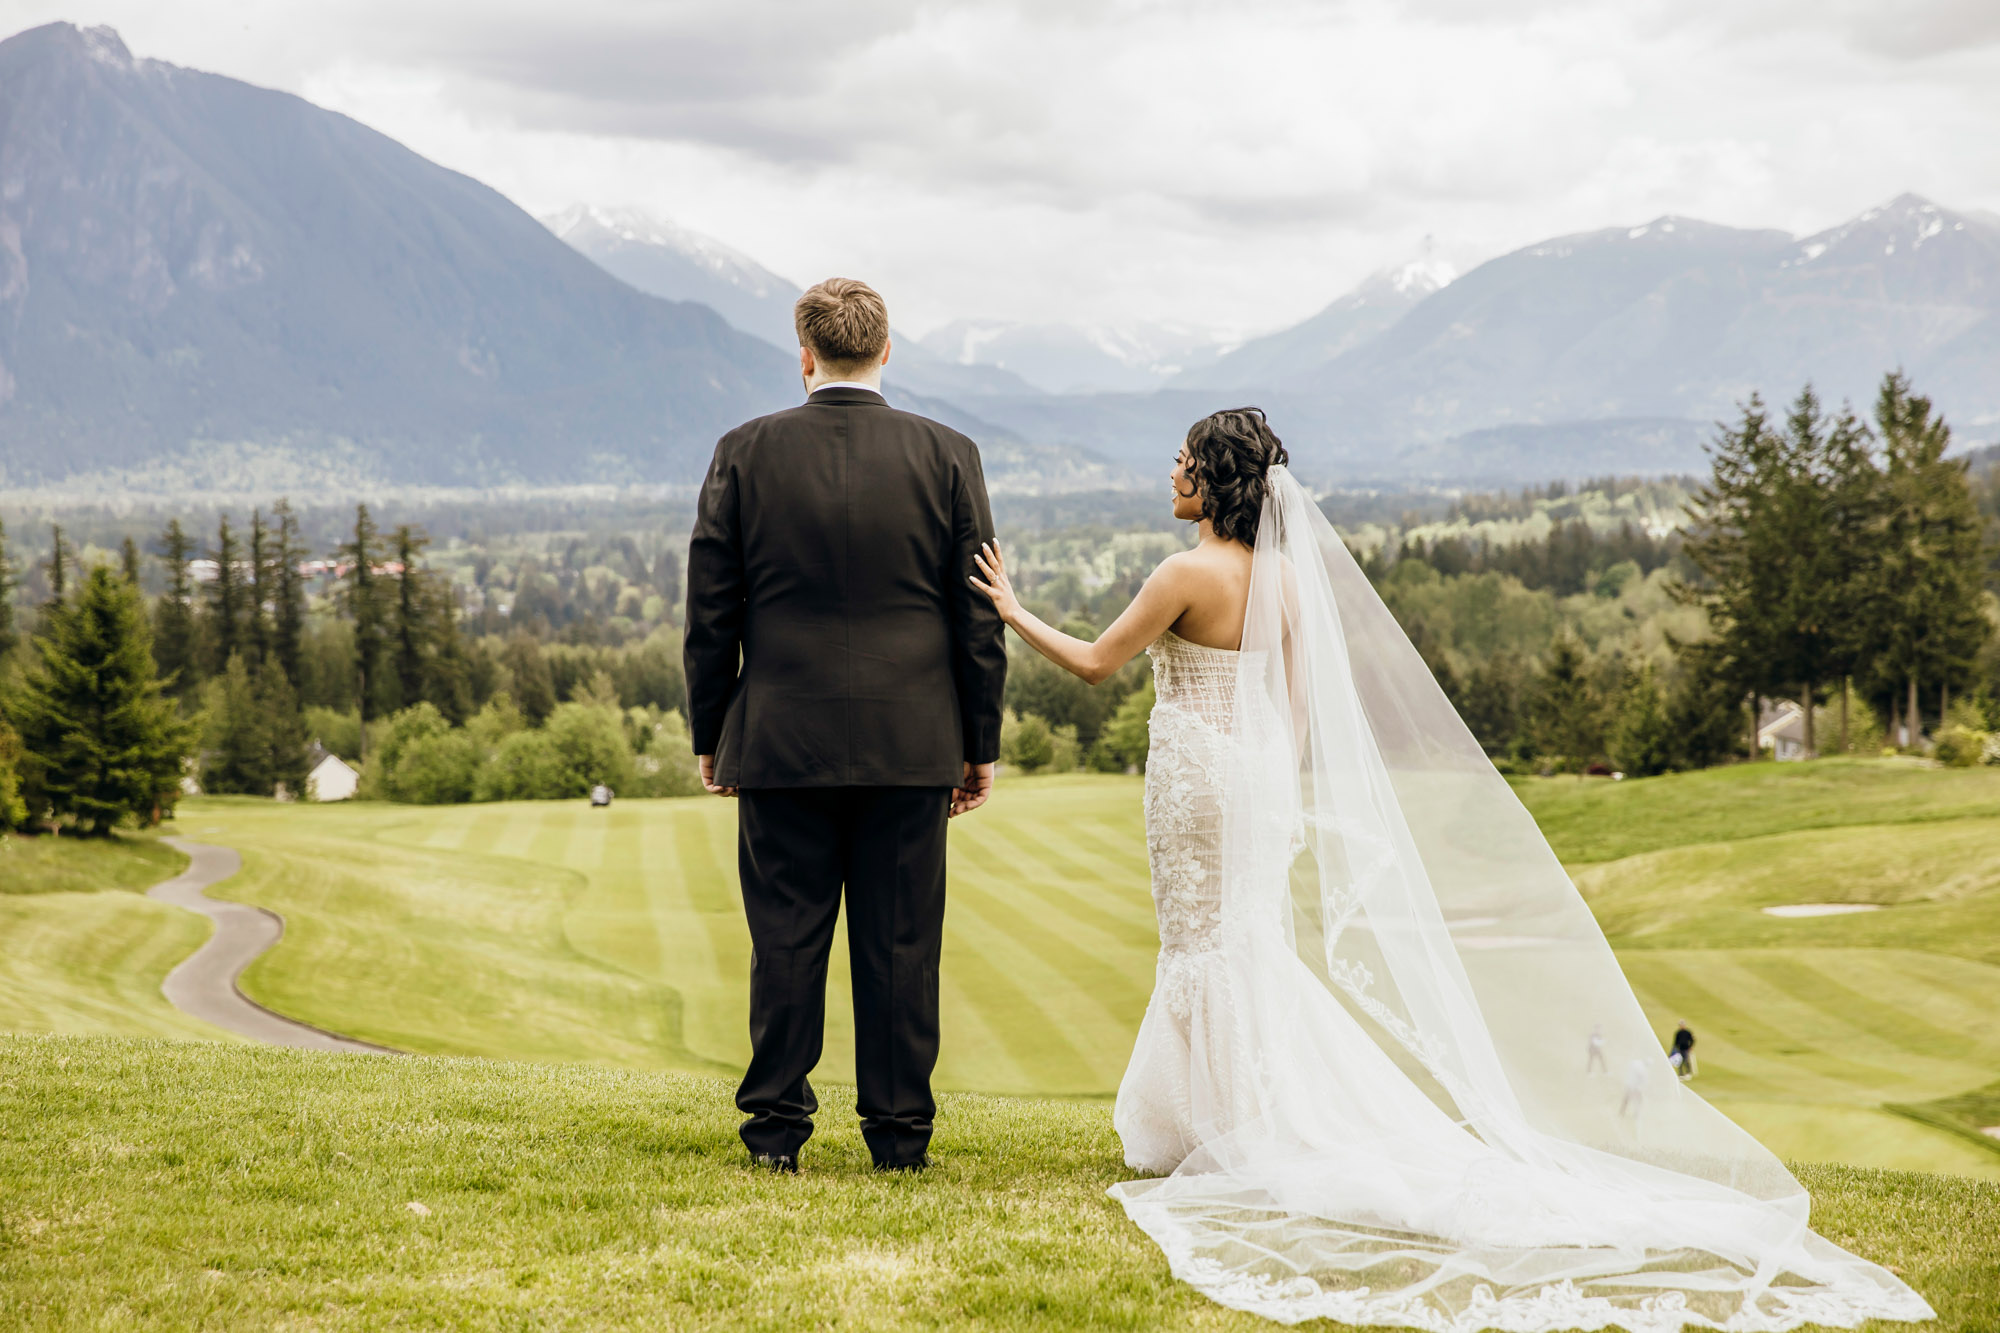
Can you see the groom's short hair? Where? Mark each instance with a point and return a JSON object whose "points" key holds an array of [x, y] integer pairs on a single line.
{"points": [[844, 323]]}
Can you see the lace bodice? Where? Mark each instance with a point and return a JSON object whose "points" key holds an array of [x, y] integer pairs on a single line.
{"points": [[1195, 690], [1197, 680]]}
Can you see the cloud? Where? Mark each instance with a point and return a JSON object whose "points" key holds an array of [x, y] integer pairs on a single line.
{"points": [[1114, 161]]}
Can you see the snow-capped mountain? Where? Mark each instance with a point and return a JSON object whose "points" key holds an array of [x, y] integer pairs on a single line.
{"points": [[1369, 309], [663, 258], [1070, 358]]}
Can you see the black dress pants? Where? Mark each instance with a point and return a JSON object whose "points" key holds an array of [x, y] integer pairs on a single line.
{"points": [[797, 848]]}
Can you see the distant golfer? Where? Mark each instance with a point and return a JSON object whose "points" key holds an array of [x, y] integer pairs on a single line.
{"points": [[1634, 1101], [1593, 1060], [1682, 1058]]}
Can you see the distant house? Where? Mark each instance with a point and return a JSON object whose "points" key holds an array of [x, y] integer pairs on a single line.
{"points": [[328, 776], [1781, 729]]}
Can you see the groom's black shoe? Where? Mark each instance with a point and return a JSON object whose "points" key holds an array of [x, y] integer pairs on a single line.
{"points": [[922, 1164], [783, 1164]]}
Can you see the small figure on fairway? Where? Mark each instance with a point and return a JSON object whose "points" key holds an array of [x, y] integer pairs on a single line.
{"points": [[1593, 1060], [600, 795], [1682, 1058]]}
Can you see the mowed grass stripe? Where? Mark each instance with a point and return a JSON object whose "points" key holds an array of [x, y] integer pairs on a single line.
{"points": [[1949, 1059], [1735, 1052], [1036, 1041], [999, 866], [1824, 1042]]}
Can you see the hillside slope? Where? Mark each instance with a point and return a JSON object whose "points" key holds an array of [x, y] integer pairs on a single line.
{"points": [[205, 282]]}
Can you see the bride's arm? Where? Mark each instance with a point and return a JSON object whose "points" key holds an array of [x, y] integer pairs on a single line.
{"points": [[1159, 604]]}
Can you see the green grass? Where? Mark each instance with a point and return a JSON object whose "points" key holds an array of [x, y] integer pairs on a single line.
{"points": [[85, 865], [548, 930], [155, 1185], [1595, 820], [552, 932], [80, 951]]}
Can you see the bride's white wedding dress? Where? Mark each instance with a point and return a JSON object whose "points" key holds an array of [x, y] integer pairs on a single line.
{"points": [[1364, 1079]]}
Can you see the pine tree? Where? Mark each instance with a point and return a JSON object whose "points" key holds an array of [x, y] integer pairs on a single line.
{"points": [[362, 600], [226, 621], [102, 743], [284, 735], [1932, 556], [234, 764], [128, 561], [8, 583], [13, 809], [1568, 716], [175, 649], [58, 565], [1767, 540], [262, 591], [258, 734], [288, 611], [412, 616]]}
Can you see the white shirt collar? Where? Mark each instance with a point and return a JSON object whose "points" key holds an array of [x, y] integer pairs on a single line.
{"points": [[846, 384]]}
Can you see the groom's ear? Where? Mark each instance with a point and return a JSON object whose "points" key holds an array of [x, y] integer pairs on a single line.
{"points": [[807, 364]]}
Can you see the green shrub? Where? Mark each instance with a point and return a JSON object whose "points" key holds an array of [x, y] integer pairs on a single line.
{"points": [[436, 770], [1123, 743], [1959, 746], [1026, 743], [1066, 752], [524, 767], [338, 730], [590, 742]]}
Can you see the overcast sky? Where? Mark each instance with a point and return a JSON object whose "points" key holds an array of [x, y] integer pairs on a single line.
{"points": [[1231, 166]]}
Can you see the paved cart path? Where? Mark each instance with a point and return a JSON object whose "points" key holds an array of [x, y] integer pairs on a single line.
{"points": [[204, 986]]}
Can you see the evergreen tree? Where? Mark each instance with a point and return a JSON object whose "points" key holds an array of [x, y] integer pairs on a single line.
{"points": [[412, 633], [1932, 559], [1642, 741], [226, 620], [261, 590], [175, 649], [1568, 715], [58, 565], [102, 743], [233, 762], [8, 583], [1767, 543], [288, 610], [258, 735], [128, 561], [13, 809], [362, 598]]}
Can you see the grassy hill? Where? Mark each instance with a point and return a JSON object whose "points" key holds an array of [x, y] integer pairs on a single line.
{"points": [[172, 1185], [552, 932], [80, 950]]}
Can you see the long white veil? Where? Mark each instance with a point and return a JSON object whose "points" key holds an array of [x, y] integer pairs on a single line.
{"points": [[1443, 1107]]}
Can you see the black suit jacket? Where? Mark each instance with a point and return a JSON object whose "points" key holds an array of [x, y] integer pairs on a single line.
{"points": [[832, 639]]}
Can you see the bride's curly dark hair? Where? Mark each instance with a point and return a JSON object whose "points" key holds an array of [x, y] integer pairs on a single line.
{"points": [[1229, 454]]}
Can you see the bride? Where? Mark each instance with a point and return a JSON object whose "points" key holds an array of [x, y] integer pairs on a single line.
{"points": [[1361, 1089]]}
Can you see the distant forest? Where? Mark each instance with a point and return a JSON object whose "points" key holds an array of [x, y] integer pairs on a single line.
{"points": [[469, 649]]}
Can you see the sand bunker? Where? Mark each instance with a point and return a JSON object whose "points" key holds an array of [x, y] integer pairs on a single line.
{"points": [[1822, 909]]}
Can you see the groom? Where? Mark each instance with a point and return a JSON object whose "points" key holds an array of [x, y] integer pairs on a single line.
{"points": [[844, 683]]}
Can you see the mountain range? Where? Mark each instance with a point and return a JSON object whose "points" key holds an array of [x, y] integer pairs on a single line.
{"points": [[207, 283], [204, 284]]}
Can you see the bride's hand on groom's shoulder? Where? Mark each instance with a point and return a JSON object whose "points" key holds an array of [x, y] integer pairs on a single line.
{"points": [[972, 790], [707, 762], [996, 584]]}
